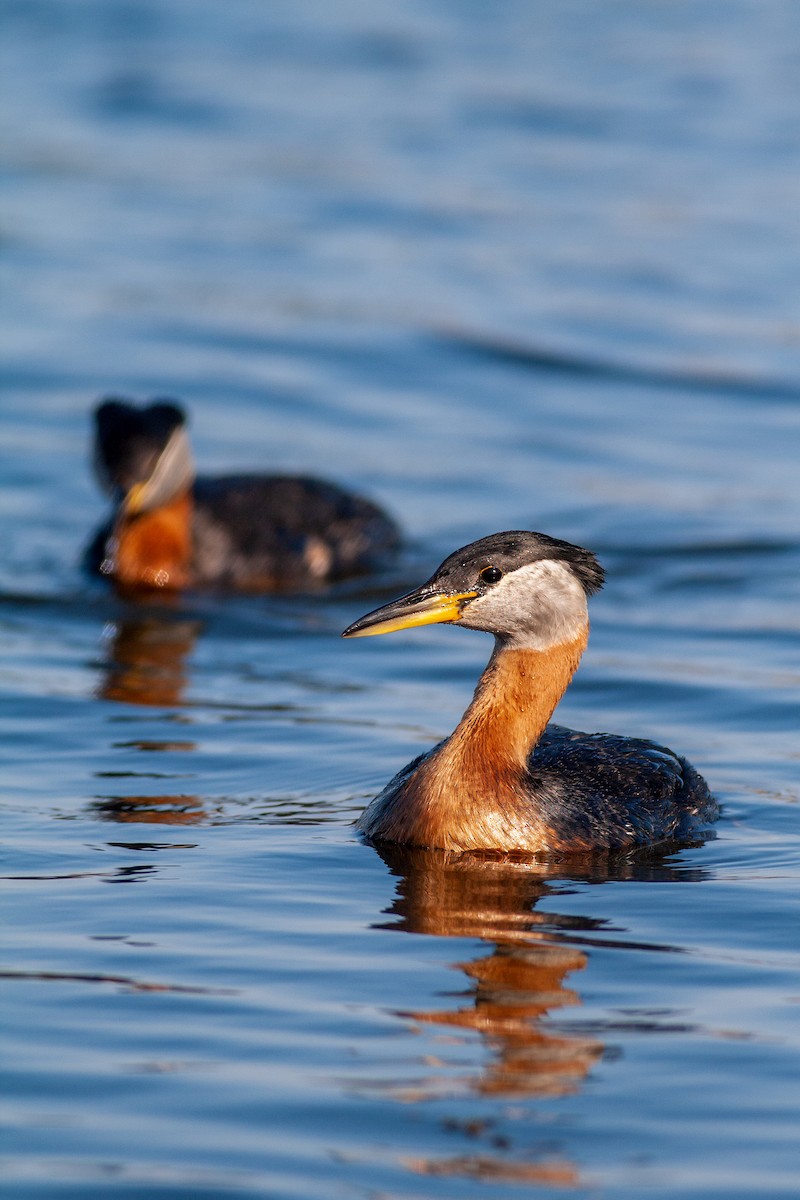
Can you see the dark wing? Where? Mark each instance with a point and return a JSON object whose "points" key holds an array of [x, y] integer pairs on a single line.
{"points": [[278, 531], [615, 791]]}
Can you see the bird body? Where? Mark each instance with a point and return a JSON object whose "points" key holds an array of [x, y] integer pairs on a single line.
{"points": [[253, 533], [505, 779]]}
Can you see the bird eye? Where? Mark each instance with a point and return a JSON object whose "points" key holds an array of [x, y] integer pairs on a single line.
{"points": [[491, 574]]}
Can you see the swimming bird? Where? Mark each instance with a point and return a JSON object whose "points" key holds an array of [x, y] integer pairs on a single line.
{"points": [[254, 533], [505, 779]]}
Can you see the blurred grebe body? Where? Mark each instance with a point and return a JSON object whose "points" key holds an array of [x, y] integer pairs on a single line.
{"points": [[254, 533], [505, 779]]}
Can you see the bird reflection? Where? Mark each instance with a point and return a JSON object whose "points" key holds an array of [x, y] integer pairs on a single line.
{"points": [[512, 989], [146, 659], [518, 983], [151, 810], [145, 663]]}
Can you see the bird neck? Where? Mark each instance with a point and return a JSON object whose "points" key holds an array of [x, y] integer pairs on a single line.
{"points": [[473, 791], [153, 549], [513, 702]]}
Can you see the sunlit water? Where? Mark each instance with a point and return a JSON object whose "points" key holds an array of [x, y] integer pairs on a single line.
{"points": [[498, 266]]}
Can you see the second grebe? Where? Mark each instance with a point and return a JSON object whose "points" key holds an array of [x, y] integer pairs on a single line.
{"points": [[254, 533], [505, 779]]}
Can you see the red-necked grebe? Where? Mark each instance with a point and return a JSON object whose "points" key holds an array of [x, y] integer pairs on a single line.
{"points": [[505, 779], [256, 533]]}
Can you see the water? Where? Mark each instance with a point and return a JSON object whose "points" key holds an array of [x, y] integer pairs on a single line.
{"points": [[506, 266]]}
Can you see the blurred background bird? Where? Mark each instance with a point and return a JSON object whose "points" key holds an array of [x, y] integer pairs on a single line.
{"points": [[171, 529]]}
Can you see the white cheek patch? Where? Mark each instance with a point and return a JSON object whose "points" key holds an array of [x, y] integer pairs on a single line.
{"points": [[536, 606], [172, 474]]}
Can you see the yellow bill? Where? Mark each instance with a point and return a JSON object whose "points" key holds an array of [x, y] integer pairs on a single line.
{"points": [[416, 608]]}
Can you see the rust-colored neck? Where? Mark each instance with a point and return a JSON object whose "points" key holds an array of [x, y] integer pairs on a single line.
{"points": [[515, 698], [154, 549], [472, 792]]}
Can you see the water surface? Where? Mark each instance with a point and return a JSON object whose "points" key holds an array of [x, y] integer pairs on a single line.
{"points": [[533, 267]]}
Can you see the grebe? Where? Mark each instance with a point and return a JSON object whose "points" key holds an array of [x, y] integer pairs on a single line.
{"points": [[506, 780], [255, 533]]}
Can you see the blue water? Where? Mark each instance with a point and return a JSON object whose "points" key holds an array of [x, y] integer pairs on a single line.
{"points": [[496, 266]]}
